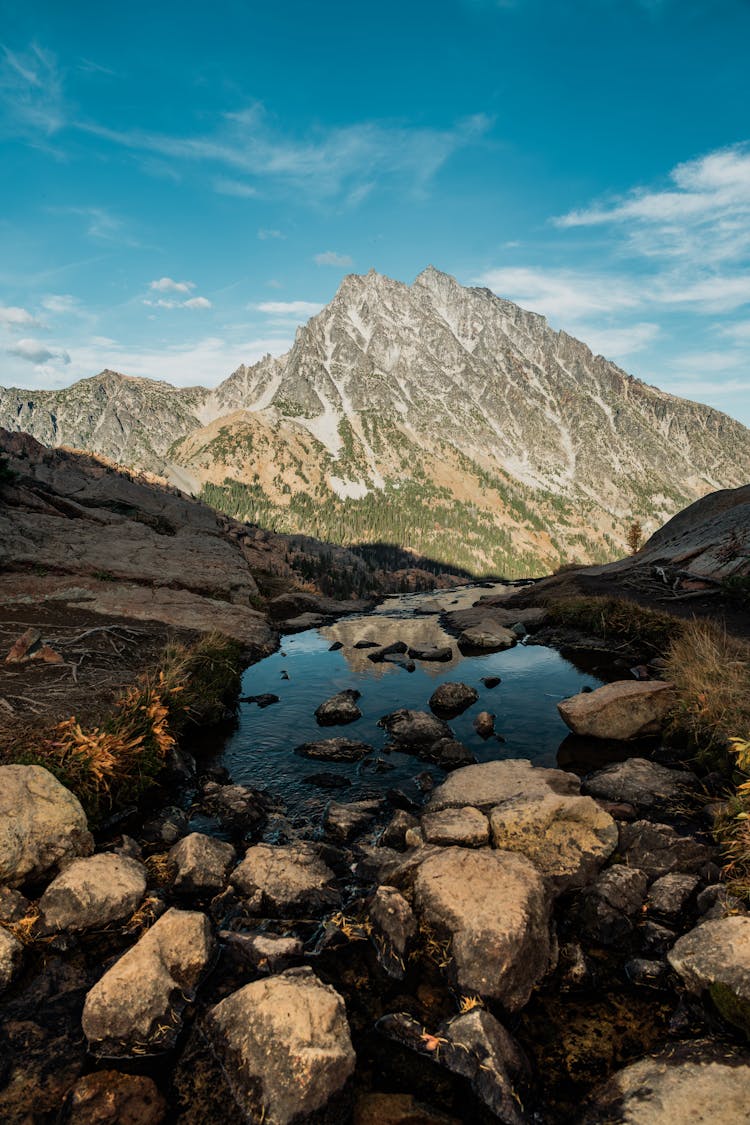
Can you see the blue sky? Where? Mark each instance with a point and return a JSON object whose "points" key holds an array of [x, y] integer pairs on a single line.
{"points": [[182, 185]]}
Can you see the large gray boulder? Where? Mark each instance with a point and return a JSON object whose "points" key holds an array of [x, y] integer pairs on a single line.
{"points": [[136, 1008], [715, 958], [646, 785], [93, 892], [697, 1083], [201, 864], [658, 849], [494, 908], [285, 1047], [42, 824], [538, 812], [623, 710], [285, 879]]}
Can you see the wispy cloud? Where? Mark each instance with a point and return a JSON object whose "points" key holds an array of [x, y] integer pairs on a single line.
{"points": [[326, 163], [170, 303], [169, 285], [617, 343], [289, 308], [225, 186], [11, 316], [703, 214], [265, 233], [331, 258], [564, 295], [32, 103], [36, 352]]}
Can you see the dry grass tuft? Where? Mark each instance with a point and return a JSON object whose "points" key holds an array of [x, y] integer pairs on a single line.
{"points": [[711, 672], [618, 620], [115, 762]]}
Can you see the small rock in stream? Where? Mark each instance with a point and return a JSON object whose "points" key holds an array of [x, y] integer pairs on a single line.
{"points": [[449, 700], [339, 709]]}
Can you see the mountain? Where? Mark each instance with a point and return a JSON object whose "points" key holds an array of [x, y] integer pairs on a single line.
{"points": [[434, 416]]}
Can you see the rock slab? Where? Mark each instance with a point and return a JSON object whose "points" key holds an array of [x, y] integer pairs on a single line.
{"points": [[284, 1045], [622, 711], [136, 1008], [42, 824]]}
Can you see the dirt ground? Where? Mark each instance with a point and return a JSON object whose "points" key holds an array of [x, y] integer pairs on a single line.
{"points": [[100, 656]]}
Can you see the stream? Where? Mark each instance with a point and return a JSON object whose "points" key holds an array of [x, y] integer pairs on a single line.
{"points": [[260, 752]]}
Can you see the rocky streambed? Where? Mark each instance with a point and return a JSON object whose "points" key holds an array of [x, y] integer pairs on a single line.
{"points": [[385, 902]]}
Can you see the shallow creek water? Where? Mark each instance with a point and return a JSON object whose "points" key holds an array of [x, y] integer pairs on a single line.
{"points": [[261, 750]]}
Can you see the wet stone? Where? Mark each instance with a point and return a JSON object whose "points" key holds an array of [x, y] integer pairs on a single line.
{"points": [[345, 821], [339, 709], [108, 1097], [334, 750], [285, 880], [669, 896], [658, 849], [647, 973], [452, 699], [201, 864], [394, 832], [93, 892]]}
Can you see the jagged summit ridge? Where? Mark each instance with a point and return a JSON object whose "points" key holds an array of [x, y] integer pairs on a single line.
{"points": [[433, 392]]}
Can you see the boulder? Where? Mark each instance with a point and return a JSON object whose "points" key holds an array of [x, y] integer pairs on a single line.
{"points": [[201, 864], [107, 1097], [494, 908], [696, 1083], [137, 1006], [334, 750], [11, 955], [285, 879], [475, 1046], [397, 648], [715, 958], [285, 1047], [345, 821], [646, 785], [395, 831], [393, 929], [412, 731], [448, 753], [42, 824], [451, 699], [93, 892], [467, 827], [538, 812], [610, 905], [658, 849], [623, 710], [669, 896], [567, 838], [487, 638], [339, 709], [493, 783], [238, 807]]}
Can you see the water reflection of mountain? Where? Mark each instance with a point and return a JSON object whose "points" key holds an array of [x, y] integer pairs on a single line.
{"points": [[413, 619]]}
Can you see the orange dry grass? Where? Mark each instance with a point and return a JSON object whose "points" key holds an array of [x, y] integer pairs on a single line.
{"points": [[711, 671]]}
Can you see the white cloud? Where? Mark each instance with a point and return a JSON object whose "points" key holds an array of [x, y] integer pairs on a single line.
{"points": [[324, 163], [170, 303], [704, 214], [62, 304], [197, 303], [34, 351], [167, 285], [13, 317], [264, 234], [226, 186], [289, 308], [563, 295], [617, 342], [331, 258], [739, 331], [205, 361]]}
